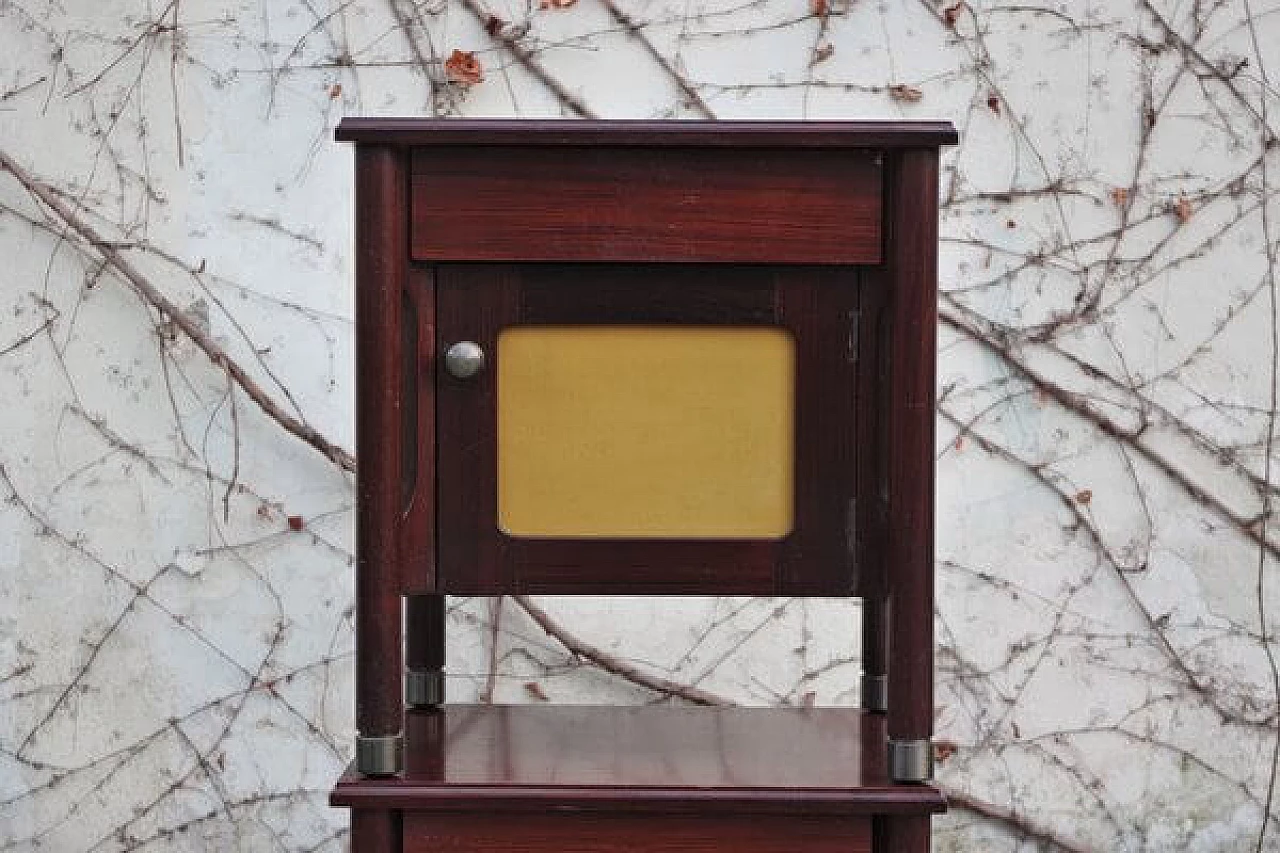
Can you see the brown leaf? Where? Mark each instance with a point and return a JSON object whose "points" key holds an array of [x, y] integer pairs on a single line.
{"points": [[943, 749], [296, 523], [823, 52], [1120, 196], [555, 4], [952, 13], [903, 92], [535, 690], [819, 7], [463, 68], [493, 25], [1182, 209], [335, 91], [959, 443], [993, 103], [1084, 496]]}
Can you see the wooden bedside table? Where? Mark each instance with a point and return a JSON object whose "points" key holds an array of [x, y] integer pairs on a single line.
{"points": [[665, 358]]}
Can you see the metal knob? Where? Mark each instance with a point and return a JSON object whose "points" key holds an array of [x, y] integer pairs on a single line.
{"points": [[464, 359]]}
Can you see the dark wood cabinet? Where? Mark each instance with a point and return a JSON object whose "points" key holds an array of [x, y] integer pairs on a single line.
{"points": [[643, 358]]}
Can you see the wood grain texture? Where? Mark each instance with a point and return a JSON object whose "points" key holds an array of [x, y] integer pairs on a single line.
{"points": [[911, 262], [654, 759], [416, 523], [429, 833], [646, 204], [382, 256], [817, 304], [799, 135]]}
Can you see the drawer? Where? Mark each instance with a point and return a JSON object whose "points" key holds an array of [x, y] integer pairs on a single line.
{"points": [[643, 204], [613, 833]]}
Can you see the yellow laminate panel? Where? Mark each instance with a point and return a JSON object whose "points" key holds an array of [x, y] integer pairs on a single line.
{"points": [[646, 431]]}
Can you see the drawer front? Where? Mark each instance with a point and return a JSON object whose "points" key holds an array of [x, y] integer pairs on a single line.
{"points": [[591, 833], [637, 204]]}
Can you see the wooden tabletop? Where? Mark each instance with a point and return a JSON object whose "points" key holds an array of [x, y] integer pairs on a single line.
{"points": [[650, 758], [745, 134]]}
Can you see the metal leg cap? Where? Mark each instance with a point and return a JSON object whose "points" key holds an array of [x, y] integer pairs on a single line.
{"points": [[424, 688], [379, 756], [911, 760]]}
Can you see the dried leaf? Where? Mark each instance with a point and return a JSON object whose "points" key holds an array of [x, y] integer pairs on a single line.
{"points": [[296, 523], [993, 103], [335, 91], [903, 92], [952, 13], [819, 7], [1084, 496], [823, 52], [463, 68], [494, 25], [943, 749], [958, 443], [1120, 196], [1182, 209], [556, 4], [535, 690]]}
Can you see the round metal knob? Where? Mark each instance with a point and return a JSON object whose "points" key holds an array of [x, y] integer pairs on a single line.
{"points": [[464, 359]]}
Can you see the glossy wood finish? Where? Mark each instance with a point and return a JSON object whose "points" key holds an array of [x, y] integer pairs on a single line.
{"points": [[416, 527], [424, 633], [817, 304], [601, 779], [521, 133], [911, 270], [376, 831], [659, 759], [382, 256], [577, 833], [647, 204]]}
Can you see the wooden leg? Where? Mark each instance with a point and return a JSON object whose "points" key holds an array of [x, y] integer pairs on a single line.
{"points": [[906, 834], [381, 262], [375, 831], [912, 188], [424, 684], [875, 652]]}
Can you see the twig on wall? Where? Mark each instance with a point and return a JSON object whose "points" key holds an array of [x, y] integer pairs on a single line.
{"points": [[175, 315]]}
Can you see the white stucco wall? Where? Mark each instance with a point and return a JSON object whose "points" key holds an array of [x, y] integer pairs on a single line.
{"points": [[175, 660]]}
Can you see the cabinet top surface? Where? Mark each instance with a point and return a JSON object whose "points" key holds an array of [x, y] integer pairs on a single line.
{"points": [[712, 134]]}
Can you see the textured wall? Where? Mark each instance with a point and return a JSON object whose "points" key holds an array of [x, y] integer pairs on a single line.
{"points": [[175, 567]]}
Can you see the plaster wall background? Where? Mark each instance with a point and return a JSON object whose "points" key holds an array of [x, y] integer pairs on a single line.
{"points": [[175, 578]]}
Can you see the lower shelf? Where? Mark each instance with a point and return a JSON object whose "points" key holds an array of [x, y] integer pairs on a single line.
{"points": [[600, 779]]}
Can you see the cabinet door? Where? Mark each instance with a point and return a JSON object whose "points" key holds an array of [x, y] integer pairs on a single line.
{"points": [[682, 429]]}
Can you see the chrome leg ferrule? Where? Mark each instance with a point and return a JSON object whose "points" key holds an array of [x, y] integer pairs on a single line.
{"points": [[875, 693], [911, 760], [424, 688], [379, 756]]}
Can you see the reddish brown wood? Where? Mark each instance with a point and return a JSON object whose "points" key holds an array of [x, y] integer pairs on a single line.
{"points": [[873, 488], [911, 262], [576, 833], [664, 134], [416, 532], [818, 304], [424, 628], [382, 255], [376, 831], [902, 834], [490, 759], [646, 204]]}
